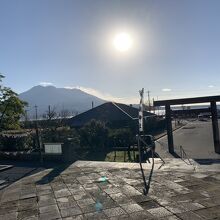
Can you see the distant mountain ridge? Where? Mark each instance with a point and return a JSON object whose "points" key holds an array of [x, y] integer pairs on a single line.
{"points": [[73, 100]]}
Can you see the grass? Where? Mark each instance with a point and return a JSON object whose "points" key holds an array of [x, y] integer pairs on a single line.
{"points": [[120, 156], [112, 156]]}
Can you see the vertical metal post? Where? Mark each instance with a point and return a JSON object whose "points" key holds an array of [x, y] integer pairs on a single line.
{"points": [[215, 127], [169, 129]]}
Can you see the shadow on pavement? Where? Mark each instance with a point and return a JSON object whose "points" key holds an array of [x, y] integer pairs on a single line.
{"points": [[174, 154], [19, 170], [207, 161], [53, 173]]}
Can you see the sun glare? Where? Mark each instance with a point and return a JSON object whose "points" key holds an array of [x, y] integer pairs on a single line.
{"points": [[122, 42]]}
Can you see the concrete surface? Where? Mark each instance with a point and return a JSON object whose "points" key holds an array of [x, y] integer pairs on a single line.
{"points": [[105, 190], [195, 138]]}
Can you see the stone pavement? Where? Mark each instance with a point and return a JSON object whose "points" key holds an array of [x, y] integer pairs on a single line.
{"points": [[102, 190]]}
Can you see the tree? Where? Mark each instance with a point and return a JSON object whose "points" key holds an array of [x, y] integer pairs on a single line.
{"points": [[94, 135], [121, 137], [11, 108]]}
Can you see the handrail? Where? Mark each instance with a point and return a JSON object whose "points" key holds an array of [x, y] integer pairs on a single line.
{"points": [[184, 155]]}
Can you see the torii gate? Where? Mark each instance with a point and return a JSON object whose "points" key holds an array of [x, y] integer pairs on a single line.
{"points": [[210, 99]]}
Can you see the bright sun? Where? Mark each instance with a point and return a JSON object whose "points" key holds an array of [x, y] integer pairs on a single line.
{"points": [[122, 42]]}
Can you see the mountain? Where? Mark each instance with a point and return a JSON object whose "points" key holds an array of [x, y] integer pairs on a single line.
{"points": [[73, 100]]}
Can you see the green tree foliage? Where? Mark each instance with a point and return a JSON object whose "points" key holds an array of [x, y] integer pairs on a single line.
{"points": [[11, 108], [154, 125], [61, 134], [122, 137], [94, 135]]}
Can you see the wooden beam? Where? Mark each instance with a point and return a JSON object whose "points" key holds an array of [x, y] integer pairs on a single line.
{"points": [[169, 129], [215, 128], [187, 101]]}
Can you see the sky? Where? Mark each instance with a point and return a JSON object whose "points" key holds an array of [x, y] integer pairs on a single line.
{"points": [[68, 43]]}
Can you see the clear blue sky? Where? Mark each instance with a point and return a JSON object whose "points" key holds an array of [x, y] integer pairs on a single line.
{"points": [[67, 43]]}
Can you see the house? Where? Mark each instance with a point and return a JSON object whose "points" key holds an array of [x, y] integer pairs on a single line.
{"points": [[114, 114]]}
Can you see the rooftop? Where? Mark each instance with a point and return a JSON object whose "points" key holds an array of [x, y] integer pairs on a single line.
{"points": [[108, 112]]}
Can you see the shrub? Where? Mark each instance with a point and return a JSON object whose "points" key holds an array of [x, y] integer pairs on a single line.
{"points": [[154, 124], [15, 141], [61, 134], [94, 135], [122, 137]]}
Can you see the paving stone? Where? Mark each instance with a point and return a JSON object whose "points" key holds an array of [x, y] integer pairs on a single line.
{"points": [[130, 208], [123, 217], [8, 207], [34, 217], [189, 216], [81, 195], [140, 198], [176, 194], [27, 196], [95, 215], [141, 215], [171, 217], [199, 175], [26, 204], [175, 208], [78, 217], [130, 191], [176, 187], [149, 204], [120, 198], [49, 216], [188, 206], [159, 212], [62, 193], [108, 203], [27, 213], [66, 202], [50, 208], [9, 197], [85, 202], [195, 196], [84, 180], [114, 212], [209, 202], [76, 189], [44, 192], [46, 200], [178, 180], [112, 190], [70, 211], [209, 213], [43, 187], [9, 216], [89, 208]]}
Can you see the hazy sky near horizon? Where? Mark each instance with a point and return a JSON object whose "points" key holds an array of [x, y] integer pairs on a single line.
{"points": [[175, 52]]}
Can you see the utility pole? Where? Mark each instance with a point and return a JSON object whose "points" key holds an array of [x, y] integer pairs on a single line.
{"points": [[158, 108], [148, 95], [26, 115], [49, 111], [36, 112], [153, 106], [92, 104], [37, 134]]}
